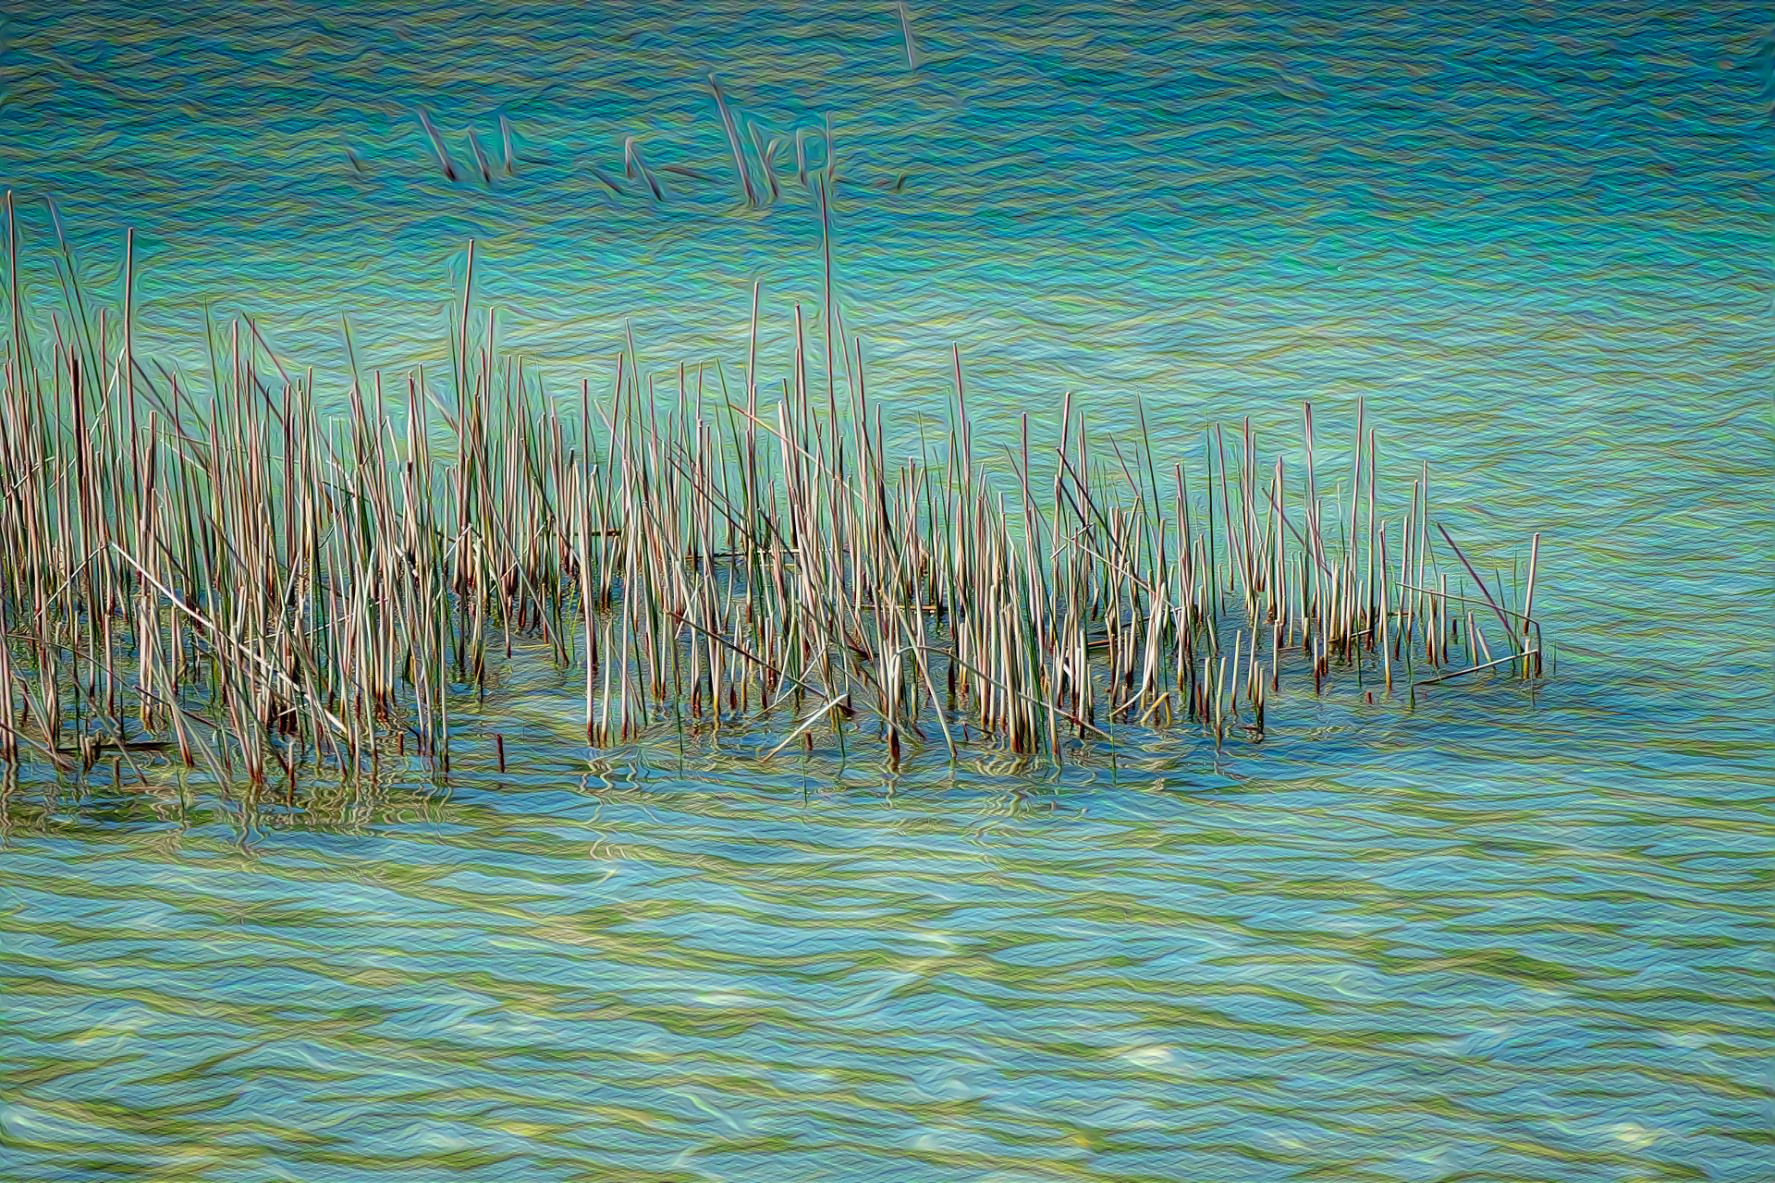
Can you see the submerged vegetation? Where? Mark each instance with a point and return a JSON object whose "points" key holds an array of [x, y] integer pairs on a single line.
{"points": [[234, 579]]}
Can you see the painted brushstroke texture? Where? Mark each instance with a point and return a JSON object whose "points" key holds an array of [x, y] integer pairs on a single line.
{"points": [[1507, 935]]}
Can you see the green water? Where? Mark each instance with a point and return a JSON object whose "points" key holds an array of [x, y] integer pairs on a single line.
{"points": [[1506, 933]]}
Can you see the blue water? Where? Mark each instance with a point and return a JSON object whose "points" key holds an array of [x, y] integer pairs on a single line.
{"points": [[1512, 934]]}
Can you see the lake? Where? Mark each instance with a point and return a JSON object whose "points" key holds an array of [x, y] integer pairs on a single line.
{"points": [[1501, 931]]}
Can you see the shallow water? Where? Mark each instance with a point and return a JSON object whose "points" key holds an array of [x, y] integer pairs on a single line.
{"points": [[1500, 934]]}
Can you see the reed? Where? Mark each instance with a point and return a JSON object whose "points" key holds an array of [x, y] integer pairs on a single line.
{"points": [[912, 55], [236, 580]]}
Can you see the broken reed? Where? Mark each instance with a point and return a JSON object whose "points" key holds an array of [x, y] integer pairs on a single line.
{"points": [[245, 582]]}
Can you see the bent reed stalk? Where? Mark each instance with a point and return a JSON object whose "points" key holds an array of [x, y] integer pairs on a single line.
{"points": [[245, 584]]}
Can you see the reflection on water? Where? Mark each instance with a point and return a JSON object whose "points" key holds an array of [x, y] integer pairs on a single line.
{"points": [[1419, 947], [1503, 935]]}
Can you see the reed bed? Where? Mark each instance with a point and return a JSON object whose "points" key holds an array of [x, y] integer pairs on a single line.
{"points": [[231, 578]]}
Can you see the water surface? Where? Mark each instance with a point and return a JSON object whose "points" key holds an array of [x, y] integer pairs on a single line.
{"points": [[1510, 933]]}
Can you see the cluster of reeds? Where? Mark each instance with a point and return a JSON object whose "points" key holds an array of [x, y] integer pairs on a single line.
{"points": [[760, 156], [237, 579], [756, 153], [447, 162]]}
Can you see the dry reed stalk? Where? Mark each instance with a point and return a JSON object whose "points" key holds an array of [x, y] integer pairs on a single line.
{"points": [[733, 140], [242, 569]]}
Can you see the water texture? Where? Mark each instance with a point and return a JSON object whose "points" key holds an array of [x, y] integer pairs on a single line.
{"points": [[1507, 933]]}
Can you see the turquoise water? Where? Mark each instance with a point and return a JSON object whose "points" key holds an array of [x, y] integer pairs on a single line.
{"points": [[1512, 933]]}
